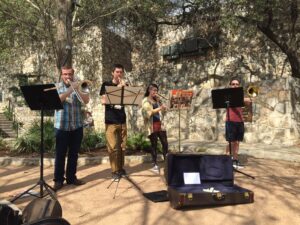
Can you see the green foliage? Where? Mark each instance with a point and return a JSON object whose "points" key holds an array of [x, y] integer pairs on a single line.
{"points": [[30, 141], [16, 92], [23, 23], [92, 140], [137, 142], [7, 113], [3, 144]]}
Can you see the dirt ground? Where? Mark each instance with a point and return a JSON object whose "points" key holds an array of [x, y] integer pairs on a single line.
{"points": [[276, 193]]}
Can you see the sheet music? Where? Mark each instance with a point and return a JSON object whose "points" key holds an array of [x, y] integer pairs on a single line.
{"points": [[124, 96], [191, 178]]}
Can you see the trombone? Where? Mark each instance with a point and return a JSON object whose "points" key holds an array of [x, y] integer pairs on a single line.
{"points": [[83, 88], [252, 91]]}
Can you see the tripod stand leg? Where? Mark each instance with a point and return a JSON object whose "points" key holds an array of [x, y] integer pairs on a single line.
{"points": [[116, 188], [49, 190], [110, 184], [25, 192], [244, 173]]}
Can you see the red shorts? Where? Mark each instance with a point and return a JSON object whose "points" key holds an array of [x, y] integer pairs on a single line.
{"points": [[156, 126]]}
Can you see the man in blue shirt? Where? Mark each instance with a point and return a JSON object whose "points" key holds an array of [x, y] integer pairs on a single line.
{"points": [[68, 126]]}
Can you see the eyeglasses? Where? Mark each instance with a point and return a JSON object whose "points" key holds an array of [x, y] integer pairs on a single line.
{"points": [[234, 84], [67, 74]]}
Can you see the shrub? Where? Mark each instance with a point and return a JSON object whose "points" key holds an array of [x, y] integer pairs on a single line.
{"points": [[30, 141], [138, 142], [3, 144], [92, 140]]}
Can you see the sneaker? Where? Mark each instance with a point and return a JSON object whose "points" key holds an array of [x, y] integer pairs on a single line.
{"points": [[57, 185], [237, 165], [155, 168], [76, 182]]}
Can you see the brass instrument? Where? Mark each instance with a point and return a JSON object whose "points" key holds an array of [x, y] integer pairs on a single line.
{"points": [[83, 88], [252, 91], [127, 80], [161, 96], [161, 100]]}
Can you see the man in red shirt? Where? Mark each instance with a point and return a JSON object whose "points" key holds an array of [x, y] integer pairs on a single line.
{"points": [[234, 125]]}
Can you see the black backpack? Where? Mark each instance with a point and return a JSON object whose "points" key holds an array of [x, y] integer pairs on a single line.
{"points": [[9, 216]]}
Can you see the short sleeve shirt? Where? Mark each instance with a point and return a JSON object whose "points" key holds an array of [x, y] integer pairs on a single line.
{"points": [[113, 115], [70, 117]]}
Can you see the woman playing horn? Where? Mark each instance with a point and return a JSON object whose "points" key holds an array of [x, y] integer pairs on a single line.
{"points": [[152, 109]]}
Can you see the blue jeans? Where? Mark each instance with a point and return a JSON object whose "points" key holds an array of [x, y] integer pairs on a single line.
{"points": [[67, 141]]}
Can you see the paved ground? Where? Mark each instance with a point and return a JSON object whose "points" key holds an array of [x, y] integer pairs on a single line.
{"points": [[276, 189]]}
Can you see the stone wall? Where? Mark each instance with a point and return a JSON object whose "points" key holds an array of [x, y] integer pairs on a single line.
{"points": [[254, 61]]}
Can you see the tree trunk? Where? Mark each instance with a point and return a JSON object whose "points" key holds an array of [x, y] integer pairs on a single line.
{"points": [[64, 33]]}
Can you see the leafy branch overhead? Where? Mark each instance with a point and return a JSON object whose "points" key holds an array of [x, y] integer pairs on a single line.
{"points": [[51, 25]]}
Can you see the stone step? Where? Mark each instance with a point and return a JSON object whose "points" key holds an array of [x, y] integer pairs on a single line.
{"points": [[5, 134], [6, 127], [7, 131], [6, 124]]}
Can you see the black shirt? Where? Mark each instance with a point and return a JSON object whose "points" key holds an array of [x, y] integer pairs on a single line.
{"points": [[113, 115], [156, 117]]}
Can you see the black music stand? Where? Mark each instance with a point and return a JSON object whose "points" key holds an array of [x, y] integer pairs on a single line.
{"points": [[227, 98], [123, 96], [41, 97]]}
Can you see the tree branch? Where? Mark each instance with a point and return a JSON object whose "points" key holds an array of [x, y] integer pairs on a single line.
{"points": [[96, 18]]}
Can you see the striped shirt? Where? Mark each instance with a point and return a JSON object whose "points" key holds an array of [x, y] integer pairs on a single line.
{"points": [[70, 117]]}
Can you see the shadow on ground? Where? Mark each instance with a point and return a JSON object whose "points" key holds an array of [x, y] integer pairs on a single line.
{"points": [[276, 187]]}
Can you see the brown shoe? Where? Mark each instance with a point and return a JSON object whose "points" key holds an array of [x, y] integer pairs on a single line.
{"points": [[76, 182], [57, 185]]}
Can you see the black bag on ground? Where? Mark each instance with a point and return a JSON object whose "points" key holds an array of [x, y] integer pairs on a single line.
{"points": [[49, 221], [203, 180], [8, 215], [41, 208]]}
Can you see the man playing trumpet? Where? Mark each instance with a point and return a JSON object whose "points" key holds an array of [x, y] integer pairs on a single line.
{"points": [[68, 125], [115, 125]]}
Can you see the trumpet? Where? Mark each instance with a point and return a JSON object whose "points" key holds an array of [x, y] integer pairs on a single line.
{"points": [[252, 91], [161, 96], [160, 99], [83, 88]]}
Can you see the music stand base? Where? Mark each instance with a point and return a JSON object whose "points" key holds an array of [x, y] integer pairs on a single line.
{"points": [[128, 179], [238, 171], [43, 186]]}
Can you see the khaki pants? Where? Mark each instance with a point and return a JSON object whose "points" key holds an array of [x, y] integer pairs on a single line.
{"points": [[116, 136]]}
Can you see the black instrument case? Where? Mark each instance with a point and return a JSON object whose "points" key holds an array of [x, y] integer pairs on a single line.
{"points": [[203, 180]]}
